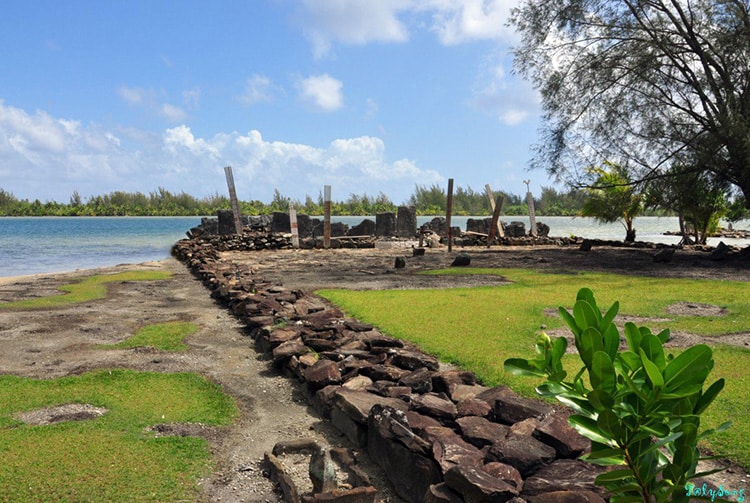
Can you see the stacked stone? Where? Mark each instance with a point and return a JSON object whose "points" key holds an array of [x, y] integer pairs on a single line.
{"points": [[439, 435]]}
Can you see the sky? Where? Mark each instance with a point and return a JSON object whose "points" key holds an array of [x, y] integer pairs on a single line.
{"points": [[367, 96]]}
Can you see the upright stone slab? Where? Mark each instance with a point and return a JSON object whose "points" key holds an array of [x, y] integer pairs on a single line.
{"points": [[385, 224], [280, 222], [226, 222], [304, 226], [406, 222], [365, 228]]}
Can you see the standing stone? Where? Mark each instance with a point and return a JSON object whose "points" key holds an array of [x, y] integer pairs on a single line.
{"points": [[304, 226], [322, 471], [280, 222], [365, 228], [406, 222], [226, 222], [385, 224]]}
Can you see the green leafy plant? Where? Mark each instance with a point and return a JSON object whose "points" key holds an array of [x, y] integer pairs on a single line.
{"points": [[639, 407]]}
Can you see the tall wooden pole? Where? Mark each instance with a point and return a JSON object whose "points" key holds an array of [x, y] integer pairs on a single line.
{"points": [[233, 200], [493, 206], [327, 216], [448, 212], [495, 220]]}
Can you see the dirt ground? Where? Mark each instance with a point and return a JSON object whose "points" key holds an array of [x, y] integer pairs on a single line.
{"points": [[61, 341]]}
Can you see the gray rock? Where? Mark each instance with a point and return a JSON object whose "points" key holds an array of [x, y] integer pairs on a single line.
{"points": [[477, 486], [555, 431], [406, 222], [403, 456], [323, 373], [523, 452], [480, 431], [563, 475], [385, 224], [432, 404], [512, 409]]}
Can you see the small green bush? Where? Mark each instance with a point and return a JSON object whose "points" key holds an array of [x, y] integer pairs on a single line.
{"points": [[639, 407]]}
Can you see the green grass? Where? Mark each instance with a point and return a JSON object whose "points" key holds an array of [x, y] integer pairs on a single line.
{"points": [[113, 457], [167, 336], [478, 328], [86, 290]]}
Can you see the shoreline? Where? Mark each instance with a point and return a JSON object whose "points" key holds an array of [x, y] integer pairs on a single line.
{"points": [[87, 271]]}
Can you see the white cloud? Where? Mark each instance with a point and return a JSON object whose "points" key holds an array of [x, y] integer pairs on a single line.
{"points": [[259, 89], [354, 22], [358, 22], [150, 100], [322, 91], [458, 21], [48, 158], [191, 97]]}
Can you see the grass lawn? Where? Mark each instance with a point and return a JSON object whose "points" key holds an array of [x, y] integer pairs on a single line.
{"points": [[478, 328], [167, 336], [88, 289], [112, 457]]}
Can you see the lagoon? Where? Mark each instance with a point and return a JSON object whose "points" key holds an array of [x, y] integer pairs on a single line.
{"points": [[33, 245]]}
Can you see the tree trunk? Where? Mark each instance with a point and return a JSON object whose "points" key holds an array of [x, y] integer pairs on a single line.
{"points": [[630, 236]]}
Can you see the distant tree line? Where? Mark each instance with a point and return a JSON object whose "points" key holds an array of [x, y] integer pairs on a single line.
{"points": [[427, 200]]}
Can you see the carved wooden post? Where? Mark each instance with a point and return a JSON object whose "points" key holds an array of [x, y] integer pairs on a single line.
{"points": [[497, 206], [233, 200]]}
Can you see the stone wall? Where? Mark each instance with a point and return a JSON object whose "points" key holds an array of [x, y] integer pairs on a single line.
{"points": [[439, 435]]}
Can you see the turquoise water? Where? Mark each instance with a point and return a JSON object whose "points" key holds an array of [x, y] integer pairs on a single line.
{"points": [[56, 244], [31, 245]]}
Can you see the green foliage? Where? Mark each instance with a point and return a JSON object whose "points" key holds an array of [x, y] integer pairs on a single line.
{"points": [[612, 198], [167, 336], [642, 409], [114, 457], [88, 289]]}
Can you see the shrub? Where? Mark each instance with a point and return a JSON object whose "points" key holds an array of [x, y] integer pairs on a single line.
{"points": [[639, 407]]}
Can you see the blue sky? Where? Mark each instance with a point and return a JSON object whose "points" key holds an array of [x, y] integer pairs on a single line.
{"points": [[367, 96]]}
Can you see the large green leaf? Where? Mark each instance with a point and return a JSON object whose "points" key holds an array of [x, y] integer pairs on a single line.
{"points": [[602, 373], [652, 371], [585, 315], [615, 476], [521, 367], [652, 346], [590, 342], [588, 427], [601, 400], [633, 336], [559, 346], [569, 320], [609, 423], [708, 396], [688, 367], [611, 338]]}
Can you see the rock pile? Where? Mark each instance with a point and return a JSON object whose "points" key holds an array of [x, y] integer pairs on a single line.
{"points": [[440, 436]]}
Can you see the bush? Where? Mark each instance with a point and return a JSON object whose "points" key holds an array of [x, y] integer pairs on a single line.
{"points": [[639, 407]]}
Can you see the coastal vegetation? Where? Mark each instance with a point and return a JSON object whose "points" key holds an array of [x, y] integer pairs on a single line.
{"points": [[450, 325], [116, 456]]}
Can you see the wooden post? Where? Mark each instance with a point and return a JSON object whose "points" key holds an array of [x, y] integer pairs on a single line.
{"points": [[294, 227], [448, 211], [532, 213], [233, 200], [326, 216], [495, 224], [497, 206]]}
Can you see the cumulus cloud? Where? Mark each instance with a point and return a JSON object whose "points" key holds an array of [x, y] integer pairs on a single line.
{"points": [[172, 113], [149, 100], [48, 158], [322, 91], [354, 22]]}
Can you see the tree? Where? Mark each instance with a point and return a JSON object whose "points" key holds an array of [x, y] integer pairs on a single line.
{"points": [[645, 82], [612, 198], [697, 196]]}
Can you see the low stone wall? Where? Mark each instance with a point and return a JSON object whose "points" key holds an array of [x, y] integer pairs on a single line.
{"points": [[440, 436]]}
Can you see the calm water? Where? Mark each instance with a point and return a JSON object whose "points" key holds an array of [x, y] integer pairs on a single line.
{"points": [[55, 244]]}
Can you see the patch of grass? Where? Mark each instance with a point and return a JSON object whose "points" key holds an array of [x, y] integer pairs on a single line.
{"points": [[478, 328], [86, 290], [113, 457], [167, 336]]}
